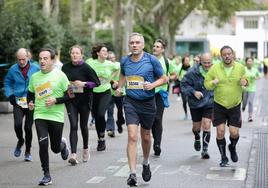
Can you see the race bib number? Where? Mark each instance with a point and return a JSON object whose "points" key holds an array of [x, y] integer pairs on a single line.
{"points": [[22, 102], [44, 90], [76, 89], [135, 82]]}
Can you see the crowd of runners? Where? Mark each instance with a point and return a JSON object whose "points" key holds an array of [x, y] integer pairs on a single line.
{"points": [[214, 90]]}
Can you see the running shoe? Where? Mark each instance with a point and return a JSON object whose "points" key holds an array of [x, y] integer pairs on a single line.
{"points": [[28, 157], [18, 150], [65, 150], [146, 173], [224, 162], [157, 150], [45, 181], [86, 155], [119, 125], [197, 145], [204, 154], [250, 119], [101, 145], [132, 180], [111, 133], [233, 153], [73, 159]]}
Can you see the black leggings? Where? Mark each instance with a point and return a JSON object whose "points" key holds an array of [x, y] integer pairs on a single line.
{"points": [[157, 128], [19, 113], [54, 130], [184, 102], [73, 111], [100, 105]]}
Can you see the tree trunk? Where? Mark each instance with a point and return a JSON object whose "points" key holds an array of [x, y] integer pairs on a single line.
{"points": [[55, 10], [76, 13], [129, 13], [46, 8], [93, 21], [117, 12]]}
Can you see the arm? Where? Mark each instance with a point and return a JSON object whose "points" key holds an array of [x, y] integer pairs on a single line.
{"points": [[30, 100], [121, 83], [160, 81]]}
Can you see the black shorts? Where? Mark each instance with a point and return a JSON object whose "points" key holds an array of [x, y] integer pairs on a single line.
{"points": [[140, 112], [230, 116], [199, 113]]}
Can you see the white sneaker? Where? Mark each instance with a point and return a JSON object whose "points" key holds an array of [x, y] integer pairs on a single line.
{"points": [[86, 155], [73, 159]]}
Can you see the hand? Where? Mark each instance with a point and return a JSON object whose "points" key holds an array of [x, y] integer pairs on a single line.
{"points": [[50, 101], [78, 83], [243, 82], [31, 105], [215, 81], [118, 92], [115, 85], [148, 86], [198, 95], [12, 99]]}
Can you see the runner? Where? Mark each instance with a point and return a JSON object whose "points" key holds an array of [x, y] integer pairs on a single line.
{"points": [[169, 70], [117, 100], [227, 79], [106, 71], [252, 74], [139, 71], [16, 87], [200, 103], [48, 90], [82, 79]]}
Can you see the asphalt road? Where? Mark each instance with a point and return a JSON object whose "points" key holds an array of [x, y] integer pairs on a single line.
{"points": [[178, 166]]}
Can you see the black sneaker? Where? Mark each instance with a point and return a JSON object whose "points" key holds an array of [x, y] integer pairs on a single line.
{"points": [[197, 145], [146, 172], [110, 133], [205, 154], [157, 150], [132, 180], [45, 181], [119, 125], [101, 145], [233, 153], [65, 150], [224, 162]]}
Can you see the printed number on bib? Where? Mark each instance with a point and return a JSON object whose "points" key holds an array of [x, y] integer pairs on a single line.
{"points": [[77, 89], [135, 82], [44, 90], [22, 102]]}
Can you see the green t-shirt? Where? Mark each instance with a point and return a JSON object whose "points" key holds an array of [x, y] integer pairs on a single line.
{"points": [[228, 92], [252, 74], [105, 72], [171, 69], [52, 84]]}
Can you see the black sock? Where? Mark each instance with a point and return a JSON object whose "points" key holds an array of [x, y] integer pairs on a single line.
{"points": [[206, 139], [233, 141], [222, 146], [196, 135]]}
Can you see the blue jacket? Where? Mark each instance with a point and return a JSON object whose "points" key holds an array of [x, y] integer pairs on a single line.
{"points": [[15, 83], [194, 81]]}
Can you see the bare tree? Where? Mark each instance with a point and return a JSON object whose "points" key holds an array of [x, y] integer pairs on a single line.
{"points": [[76, 13]]}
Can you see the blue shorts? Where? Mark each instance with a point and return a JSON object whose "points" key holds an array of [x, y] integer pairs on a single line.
{"points": [[140, 112]]}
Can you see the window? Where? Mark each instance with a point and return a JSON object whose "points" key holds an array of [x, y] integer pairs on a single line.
{"points": [[251, 23]]}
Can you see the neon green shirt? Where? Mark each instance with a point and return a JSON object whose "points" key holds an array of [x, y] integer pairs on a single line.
{"points": [[52, 84], [228, 92], [252, 74], [171, 69], [105, 73]]}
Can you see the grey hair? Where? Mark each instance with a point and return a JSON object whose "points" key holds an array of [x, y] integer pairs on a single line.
{"points": [[136, 34]]}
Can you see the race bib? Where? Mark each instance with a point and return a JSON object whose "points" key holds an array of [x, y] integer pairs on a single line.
{"points": [[76, 89], [44, 90], [135, 82], [22, 102]]}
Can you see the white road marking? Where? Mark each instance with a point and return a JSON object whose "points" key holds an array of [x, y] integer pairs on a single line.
{"points": [[227, 173], [122, 160], [124, 171], [184, 169], [96, 179], [111, 169]]}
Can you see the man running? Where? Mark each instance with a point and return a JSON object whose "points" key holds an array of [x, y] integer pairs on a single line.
{"points": [[16, 87], [200, 103], [227, 79], [139, 71]]}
